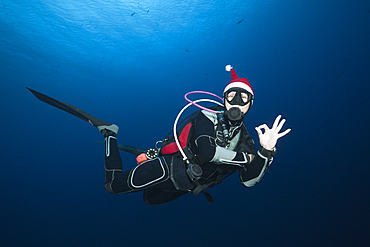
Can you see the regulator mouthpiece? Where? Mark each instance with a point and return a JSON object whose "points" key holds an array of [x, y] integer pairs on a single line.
{"points": [[234, 114]]}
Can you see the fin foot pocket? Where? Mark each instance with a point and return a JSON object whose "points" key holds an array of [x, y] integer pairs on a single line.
{"points": [[110, 130]]}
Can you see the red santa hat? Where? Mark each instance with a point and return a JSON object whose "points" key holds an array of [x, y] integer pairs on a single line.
{"points": [[237, 82]]}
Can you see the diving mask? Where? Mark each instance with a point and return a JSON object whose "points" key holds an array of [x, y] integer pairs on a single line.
{"points": [[238, 96]]}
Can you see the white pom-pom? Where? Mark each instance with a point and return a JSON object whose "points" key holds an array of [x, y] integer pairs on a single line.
{"points": [[228, 68]]}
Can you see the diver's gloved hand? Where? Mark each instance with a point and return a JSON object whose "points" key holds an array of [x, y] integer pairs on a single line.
{"points": [[269, 138]]}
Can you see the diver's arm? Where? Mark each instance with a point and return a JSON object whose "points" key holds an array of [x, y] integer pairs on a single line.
{"points": [[228, 157], [204, 139], [253, 172]]}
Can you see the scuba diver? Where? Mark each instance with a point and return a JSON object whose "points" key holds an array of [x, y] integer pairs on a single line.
{"points": [[209, 146], [215, 144]]}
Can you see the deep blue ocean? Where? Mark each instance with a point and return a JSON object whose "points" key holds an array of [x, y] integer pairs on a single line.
{"points": [[130, 63]]}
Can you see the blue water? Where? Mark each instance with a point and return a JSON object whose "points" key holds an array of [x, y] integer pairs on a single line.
{"points": [[130, 63]]}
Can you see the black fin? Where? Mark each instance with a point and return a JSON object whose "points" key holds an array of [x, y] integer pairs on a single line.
{"points": [[70, 109]]}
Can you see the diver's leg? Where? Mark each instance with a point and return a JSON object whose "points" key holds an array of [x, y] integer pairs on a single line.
{"points": [[153, 173], [150, 174], [113, 162]]}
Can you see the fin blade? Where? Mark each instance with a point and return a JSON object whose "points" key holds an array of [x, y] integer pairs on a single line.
{"points": [[69, 108]]}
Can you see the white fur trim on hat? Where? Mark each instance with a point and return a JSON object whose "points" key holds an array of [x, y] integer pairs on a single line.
{"points": [[239, 85]]}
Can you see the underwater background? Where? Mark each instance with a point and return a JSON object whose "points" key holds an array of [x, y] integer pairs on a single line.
{"points": [[130, 63]]}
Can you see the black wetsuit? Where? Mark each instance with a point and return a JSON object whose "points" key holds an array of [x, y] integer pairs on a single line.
{"points": [[164, 178]]}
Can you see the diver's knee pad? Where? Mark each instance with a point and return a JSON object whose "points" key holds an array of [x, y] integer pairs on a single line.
{"points": [[149, 173]]}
